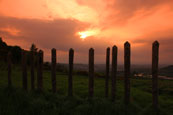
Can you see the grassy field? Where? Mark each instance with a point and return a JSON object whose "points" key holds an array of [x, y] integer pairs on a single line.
{"points": [[15, 101]]}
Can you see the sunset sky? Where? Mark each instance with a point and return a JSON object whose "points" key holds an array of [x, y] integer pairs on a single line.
{"points": [[82, 24]]}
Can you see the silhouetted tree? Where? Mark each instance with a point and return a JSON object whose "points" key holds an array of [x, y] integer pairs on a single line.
{"points": [[35, 51], [3, 50], [33, 48], [16, 54], [3, 45]]}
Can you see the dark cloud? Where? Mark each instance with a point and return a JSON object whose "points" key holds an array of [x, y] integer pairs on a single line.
{"points": [[45, 33], [164, 37], [127, 8], [118, 12], [130, 6], [59, 34]]}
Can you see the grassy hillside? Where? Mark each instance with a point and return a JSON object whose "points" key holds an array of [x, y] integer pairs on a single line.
{"points": [[15, 101], [167, 71]]}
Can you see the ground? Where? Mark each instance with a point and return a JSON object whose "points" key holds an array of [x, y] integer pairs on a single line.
{"points": [[16, 101]]}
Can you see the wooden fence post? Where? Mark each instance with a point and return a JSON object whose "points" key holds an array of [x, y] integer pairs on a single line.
{"points": [[107, 72], [127, 73], [40, 71], [114, 71], [32, 69], [155, 60], [70, 78], [91, 72], [53, 70], [24, 71], [9, 69]]}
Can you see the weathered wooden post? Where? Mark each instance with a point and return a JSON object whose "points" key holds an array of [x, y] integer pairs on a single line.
{"points": [[54, 70], [107, 72], [114, 71], [24, 71], [9, 69], [91, 72], [70, 78], [155, 61], [32, 64], [127, 73], [40, 71]]}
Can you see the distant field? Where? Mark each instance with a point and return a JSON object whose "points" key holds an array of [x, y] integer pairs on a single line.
{"points": [[16, 101]]}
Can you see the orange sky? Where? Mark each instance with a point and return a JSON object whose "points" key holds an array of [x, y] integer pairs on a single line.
{"points": [[57, 23]]}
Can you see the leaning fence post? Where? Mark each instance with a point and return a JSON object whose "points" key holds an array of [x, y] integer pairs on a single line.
{"points": [[70, 78], [114, 71], [32, 69], [91, 72], [127, 65], [24, 71], [9, 69], [107, 72], [155, 60], [53, 70], [40, 71]]}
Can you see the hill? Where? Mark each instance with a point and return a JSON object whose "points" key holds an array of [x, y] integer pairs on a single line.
{"points": [[167, 71]]}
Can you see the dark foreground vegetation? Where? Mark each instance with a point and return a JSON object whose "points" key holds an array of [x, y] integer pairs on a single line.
{"points": [[15, 101]]}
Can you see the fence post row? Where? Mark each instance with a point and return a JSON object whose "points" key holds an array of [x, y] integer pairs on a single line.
{"points": [[53, 70], [70, 78], [40, 71], [32, 60], [91, 72], [155, 60], [127, 74], [107, 72], [114, 71], [9, 69], [24, 71], [127, 65]]}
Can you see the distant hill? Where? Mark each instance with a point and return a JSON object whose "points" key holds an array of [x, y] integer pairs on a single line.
{"points": [[167, 71]]}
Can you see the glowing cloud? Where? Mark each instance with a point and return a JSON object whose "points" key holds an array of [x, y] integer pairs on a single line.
{"points": [[11, 31], [88, 33]]}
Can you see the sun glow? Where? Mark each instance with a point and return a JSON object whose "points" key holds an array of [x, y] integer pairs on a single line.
{"points": [[85, 34]]}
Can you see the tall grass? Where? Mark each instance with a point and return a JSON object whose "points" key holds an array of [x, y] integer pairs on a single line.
{"points": [[16, 101]]}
